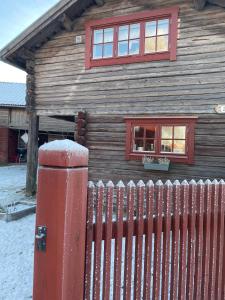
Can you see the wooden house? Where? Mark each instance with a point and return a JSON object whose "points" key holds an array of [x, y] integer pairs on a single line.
{"points": [[145, 79], [14, 123]]}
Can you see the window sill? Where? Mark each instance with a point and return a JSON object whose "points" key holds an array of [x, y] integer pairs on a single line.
{"points": [[173, 158]]}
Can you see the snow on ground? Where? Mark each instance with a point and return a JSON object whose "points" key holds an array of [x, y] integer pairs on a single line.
{"points": [[12, 184], [16, 259]]}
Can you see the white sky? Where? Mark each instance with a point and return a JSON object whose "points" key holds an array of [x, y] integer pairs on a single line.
{"points": [[11, 74]]}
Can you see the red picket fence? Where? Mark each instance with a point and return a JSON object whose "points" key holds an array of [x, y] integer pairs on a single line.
{"points": [[155, 241]]}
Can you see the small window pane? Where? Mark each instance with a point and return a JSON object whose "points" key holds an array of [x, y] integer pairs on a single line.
{"points": [[162, 43], [108, 35], [123, 32], [150, 29], [139, 132], [167, 132], [150, 132], [150, 146], [166, 146], [134, 31], [138, 145], [150, 44], [98, 36], [134, 47], [122, 48], [163, 27], [179, 146], [108, 50], [179, 132], [97, 51]]}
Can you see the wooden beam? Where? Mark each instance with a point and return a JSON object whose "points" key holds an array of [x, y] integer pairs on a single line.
{"points": [[100, 2], [66, 22], [199, 4], [32, 154]]}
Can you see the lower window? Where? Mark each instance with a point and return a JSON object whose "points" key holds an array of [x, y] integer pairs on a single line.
{"points": [[171, 137]]}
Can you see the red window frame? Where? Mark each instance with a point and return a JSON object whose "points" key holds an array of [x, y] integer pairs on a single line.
{"points": [[171, 13], [187, 121]]}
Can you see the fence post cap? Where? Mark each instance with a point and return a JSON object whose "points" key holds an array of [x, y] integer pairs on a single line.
{"points": [[63, 153]]}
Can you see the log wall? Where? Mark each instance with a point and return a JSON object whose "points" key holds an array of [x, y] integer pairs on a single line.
{"points": [[192, 85]]}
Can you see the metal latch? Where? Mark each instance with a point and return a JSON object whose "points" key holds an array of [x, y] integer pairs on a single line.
{"points": [[41, 238]]}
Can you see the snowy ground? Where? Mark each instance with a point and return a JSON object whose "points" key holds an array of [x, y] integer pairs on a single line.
{"points": [[16, 239], [12, 184]]}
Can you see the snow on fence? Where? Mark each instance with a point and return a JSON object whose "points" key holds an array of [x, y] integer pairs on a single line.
{"points": [[160, 241]]}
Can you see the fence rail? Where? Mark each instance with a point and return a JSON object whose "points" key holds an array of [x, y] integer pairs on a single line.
{"points": [[155, 241]]}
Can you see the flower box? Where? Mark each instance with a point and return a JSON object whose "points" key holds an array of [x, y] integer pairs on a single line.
{"points": [[160, 164]]}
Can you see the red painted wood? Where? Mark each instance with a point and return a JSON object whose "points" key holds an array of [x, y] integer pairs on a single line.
{"points": [[199, 240], [166, 240], [175, 240], [158, 237], [131, 189], [89, 238], [148, 240], [98, 241], [220, 255], [213, 240], [183, 240], [191, 240], [139, 239], [108, 240], [118, 241], [206, 239], [171, 13]]}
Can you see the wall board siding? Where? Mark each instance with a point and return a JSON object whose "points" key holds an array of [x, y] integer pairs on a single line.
{"points": [[4, 117], [191, 85]]}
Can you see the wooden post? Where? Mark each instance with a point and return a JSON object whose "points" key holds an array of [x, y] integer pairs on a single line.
{"points": [[62, 208], [32, 154]]}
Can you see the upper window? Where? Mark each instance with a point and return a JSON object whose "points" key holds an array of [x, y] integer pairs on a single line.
{"points": [[134, 38], [162, 137]]}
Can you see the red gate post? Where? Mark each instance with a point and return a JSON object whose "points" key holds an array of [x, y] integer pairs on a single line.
{"points": [[61, 207]]}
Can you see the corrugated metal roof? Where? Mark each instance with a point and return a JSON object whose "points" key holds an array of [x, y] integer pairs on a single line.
{"points": [[12, 94]]}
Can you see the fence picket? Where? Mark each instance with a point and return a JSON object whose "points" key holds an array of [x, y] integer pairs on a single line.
{"points": [[108, 241], [206, 239], [213, 248], [98, 241], [139, 239], [220, 254], [158, 237], [89, 238], [166, 239], [148, 240], [175, 241], [129, 240], [199, 239], [183, 240], [118, 241]]}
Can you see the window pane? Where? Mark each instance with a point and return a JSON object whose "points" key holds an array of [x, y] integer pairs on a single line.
{"points": [[108, 35], [163, 27], [150, 132], [167, 132], [150, 28], [139, 132], [179, 132], [179, 146], [134, 31], [166, 146], [98, 36], [123, 32], [122, 48], [149, 145], [134, 47], [162, 43], [150, 44], [108, 50], [97, 51], [138, 145]]}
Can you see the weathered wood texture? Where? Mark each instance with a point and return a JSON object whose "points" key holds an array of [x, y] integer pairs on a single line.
{"points": [[192, 85], [4, 117]]}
